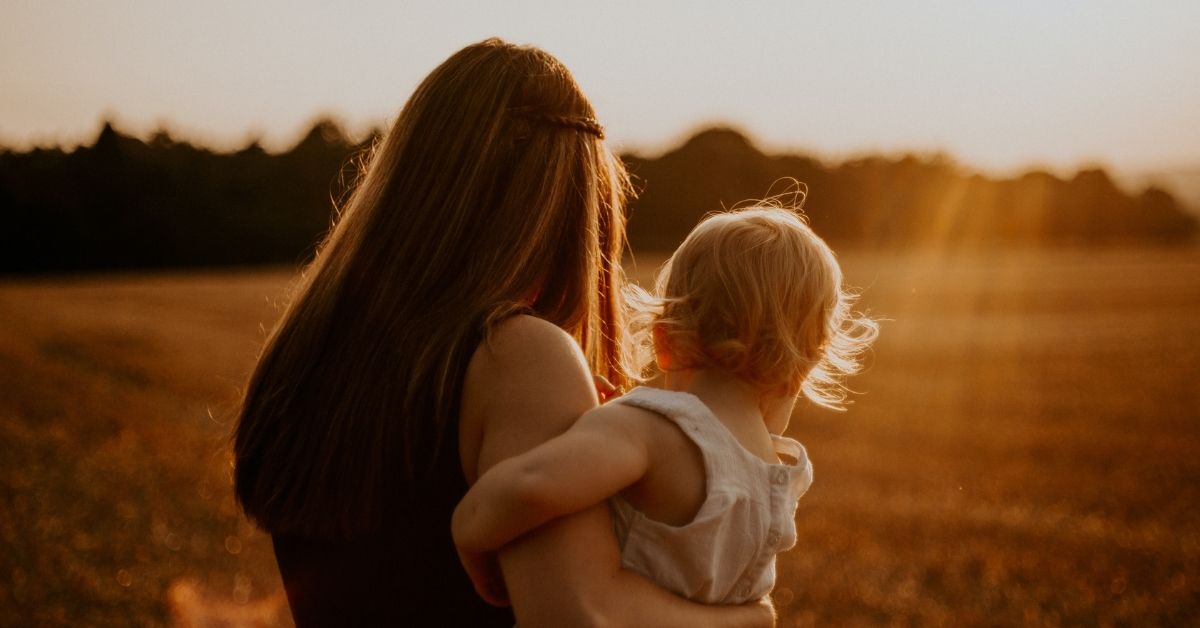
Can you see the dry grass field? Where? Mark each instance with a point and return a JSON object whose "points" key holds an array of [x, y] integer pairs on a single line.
{"points": [[1027, 450]]}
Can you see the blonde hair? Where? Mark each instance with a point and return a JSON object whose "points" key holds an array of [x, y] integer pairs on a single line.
{"points": [[756, 293], [494, 184]]}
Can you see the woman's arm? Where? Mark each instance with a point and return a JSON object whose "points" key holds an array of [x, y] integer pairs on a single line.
{"points": [[528, 385], [604, 452]]}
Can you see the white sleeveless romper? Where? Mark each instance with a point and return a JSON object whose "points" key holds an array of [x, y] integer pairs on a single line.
{"points": [[726, 554]]}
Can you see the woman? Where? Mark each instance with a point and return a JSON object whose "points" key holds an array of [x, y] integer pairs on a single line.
{"points": [[449, 322]]}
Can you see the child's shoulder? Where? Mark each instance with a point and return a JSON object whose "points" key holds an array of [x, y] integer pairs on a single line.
{"points": [[624, 415], [635, 419]]}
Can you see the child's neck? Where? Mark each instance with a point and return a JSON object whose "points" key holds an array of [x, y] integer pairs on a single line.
{"points": [[731, 398], [702, 382]]}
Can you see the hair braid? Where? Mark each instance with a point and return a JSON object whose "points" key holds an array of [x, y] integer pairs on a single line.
{"points": [[578, 123]]}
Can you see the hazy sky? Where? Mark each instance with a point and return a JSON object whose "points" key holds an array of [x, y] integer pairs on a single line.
{"points": [[998, 84]]}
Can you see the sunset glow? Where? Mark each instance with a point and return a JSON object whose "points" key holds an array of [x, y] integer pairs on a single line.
{"points": [[998, 85]]}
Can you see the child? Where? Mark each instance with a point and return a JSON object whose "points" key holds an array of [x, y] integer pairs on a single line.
{"points": [[750, 313]]}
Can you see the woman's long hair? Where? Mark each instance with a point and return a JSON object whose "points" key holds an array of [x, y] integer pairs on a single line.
{"points": [[492, 194]]}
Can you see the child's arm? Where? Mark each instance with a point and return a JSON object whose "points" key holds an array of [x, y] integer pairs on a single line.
{"points": [[602, 453]]}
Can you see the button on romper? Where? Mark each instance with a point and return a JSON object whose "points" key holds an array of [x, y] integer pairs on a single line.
{"points": [[726, 554]]}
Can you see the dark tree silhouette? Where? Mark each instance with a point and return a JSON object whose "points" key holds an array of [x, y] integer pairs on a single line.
{"points": [[125, 203], [907, 201]]}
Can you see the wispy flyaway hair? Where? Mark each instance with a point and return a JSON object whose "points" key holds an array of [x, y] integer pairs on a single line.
{"points": [[756, 293]]}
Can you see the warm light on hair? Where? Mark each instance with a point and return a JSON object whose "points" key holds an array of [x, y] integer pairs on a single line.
{"points": [[757, 294], [493, 185]]}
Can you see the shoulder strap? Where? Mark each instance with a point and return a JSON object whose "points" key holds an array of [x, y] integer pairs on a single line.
{"points": [[799, 473], [686, 412]]}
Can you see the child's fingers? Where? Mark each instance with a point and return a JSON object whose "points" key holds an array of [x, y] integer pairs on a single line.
{"points": [[484, 572], [490, 586], [604, 388], [494, 593], [765, 609]]}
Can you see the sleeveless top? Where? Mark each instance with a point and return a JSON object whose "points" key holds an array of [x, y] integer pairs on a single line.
{"points": [[406, 574], [726, 554]]}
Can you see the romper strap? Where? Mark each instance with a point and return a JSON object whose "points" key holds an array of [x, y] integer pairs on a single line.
{"points": [[694, 419]]}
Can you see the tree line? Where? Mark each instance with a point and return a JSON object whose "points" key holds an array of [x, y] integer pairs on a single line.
{"points": [[127, 203]]}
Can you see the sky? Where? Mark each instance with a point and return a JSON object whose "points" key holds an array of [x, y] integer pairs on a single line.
{"points": [[1000, 86]]}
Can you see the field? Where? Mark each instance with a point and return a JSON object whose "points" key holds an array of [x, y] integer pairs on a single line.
{"points": [[1026, 450]]}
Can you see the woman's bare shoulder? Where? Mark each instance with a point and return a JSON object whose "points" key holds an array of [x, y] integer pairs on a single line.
{"points": [[530, 346], [527, 382]]}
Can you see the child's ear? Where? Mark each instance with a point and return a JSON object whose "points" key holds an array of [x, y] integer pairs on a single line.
{"points": [[661, 354]]}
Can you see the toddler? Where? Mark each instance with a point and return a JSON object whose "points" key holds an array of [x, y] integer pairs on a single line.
{"points": [[749, 314]]}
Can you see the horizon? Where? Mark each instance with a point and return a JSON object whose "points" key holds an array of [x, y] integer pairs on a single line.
{"points": [[1000, 89], [283, 141], [1182, 181]]}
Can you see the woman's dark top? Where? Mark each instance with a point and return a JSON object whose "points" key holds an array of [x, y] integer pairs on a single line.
{"points": [[406, 575]]}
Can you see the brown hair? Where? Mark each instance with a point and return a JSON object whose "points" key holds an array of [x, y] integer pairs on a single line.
{"points": [[757, 294], [492, 194]]}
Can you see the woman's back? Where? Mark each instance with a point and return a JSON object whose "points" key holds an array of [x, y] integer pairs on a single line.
{"points": [[407, 574], [492, 195]]}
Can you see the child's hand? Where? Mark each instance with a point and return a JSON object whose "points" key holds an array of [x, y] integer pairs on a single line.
{"points": [[484, 571], [604, 388], [765, 610]]}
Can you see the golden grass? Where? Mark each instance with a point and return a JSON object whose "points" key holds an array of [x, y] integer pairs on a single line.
{"points": [[1027, 450]]}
